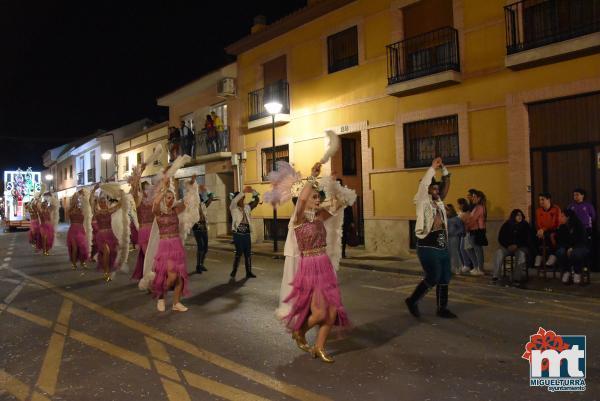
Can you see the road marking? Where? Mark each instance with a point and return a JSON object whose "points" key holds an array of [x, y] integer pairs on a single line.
{"points": [[217, 360], [7, 259], [9, 253], [18, 389], [219, 389], [111, 349], [157, 350], [175, 391], [40, 321], [10, 297], [393, 289]]}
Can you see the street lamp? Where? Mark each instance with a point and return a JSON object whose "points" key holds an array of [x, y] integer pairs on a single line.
{"points": [[106, 157], [49, 178], [273, 106]]}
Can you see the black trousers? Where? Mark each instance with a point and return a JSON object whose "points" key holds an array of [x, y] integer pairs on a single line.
{"points": [[201, 236], [243, 245]]}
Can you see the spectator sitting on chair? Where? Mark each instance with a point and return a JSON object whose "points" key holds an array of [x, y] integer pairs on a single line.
{"points": [[514, 238], [584, 211], [547, 221], [572, 250]]}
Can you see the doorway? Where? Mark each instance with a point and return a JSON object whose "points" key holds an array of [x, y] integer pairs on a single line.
{"points": [[347, 165]]}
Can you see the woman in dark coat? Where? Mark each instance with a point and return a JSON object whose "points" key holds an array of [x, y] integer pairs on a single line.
{"points": [[571, 246], [514, 239]]}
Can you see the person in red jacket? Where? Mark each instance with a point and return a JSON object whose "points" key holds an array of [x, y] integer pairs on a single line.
{"points": [[547, 221]]}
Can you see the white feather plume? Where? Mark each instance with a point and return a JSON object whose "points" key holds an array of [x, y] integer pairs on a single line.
{"points": [[332, 148]]}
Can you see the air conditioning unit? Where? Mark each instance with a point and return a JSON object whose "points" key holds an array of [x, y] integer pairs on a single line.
{"points": [[226, 87]]}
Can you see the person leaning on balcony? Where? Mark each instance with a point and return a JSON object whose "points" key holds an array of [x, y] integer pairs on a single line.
{"points": [[174, 142], [572, 246], [547, 221], [211, 134], [220, 128], [188, 138], [514, 239], [240, 225]]}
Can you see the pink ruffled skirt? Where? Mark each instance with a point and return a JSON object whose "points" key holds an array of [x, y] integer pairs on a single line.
{"points": [[34, 234], [106, 238], [47, 230], [315, 278], [170, 252], [76, 235], [143, 237]]}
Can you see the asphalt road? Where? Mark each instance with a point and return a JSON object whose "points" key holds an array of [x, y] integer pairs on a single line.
{"points": [[69, 336]]}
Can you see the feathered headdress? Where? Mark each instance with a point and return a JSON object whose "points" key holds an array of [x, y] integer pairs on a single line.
{"points": [[332, 148]]}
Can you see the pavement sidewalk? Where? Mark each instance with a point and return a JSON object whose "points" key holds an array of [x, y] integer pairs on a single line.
{"points": [[358, 258]]}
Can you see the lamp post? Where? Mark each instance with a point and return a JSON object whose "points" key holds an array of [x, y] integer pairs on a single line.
{"points": [[106, 157], [273, 106]]}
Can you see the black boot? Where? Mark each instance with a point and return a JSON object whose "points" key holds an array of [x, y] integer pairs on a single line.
{"points": [[201, 257], [441, 292], [236, 263], [418, 293], [248, 262]]}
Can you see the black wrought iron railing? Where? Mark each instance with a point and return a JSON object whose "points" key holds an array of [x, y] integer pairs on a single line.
{"points": [[91, 175], [536, 23], [278, 91], [423, 55], [80, 179], [211, 141]]}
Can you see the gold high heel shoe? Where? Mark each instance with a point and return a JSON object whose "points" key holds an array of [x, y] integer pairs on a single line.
{"points": [[107, 277], [74, 266], [319, 353], [300, 341], [83, 265]]}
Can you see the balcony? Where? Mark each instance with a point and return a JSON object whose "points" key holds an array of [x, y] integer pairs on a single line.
{"points": [[539, 32], [206, 146], [80, 179], [423, 62], [91, 175], [258, 116]]}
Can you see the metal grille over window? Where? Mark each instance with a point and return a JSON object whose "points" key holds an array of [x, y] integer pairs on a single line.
{"points": [[256, 100], [427, 139], [281, 154], [342, 50]]}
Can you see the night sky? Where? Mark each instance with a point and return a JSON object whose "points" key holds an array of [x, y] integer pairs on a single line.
{"points": [[70, 68]]}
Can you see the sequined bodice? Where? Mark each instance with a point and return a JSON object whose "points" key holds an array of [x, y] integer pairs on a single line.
{"points": [[104, 221], [45, 216], [168, 224], [311, 235], [76, 216], [145, 214]]}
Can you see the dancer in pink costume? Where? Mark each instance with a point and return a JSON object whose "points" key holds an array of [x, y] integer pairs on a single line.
{"points": [[34, 229], [79, 234], [48, 214], [313, 247], [112, 235], [145, 217], [169, 261]]}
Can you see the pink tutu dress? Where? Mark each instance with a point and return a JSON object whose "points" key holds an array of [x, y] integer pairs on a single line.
{"points": [[46, 229], [35, 237], [315, 277], [170, 249], [105, 236], [145, 218], [76, 234]]}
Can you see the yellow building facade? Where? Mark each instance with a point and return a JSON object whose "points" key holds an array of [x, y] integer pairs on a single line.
{"points": [[429, 77]]}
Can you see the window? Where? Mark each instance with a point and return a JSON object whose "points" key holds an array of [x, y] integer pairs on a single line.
{"points": [[126, 164], [93, 160], [70, 171], [342, 50], [157, 162], [64, 174], [425, 140], [140, 158], [281, 154]]}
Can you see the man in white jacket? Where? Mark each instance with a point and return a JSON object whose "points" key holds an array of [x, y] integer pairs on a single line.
{"points": [[431, 230], [240, 226]]}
